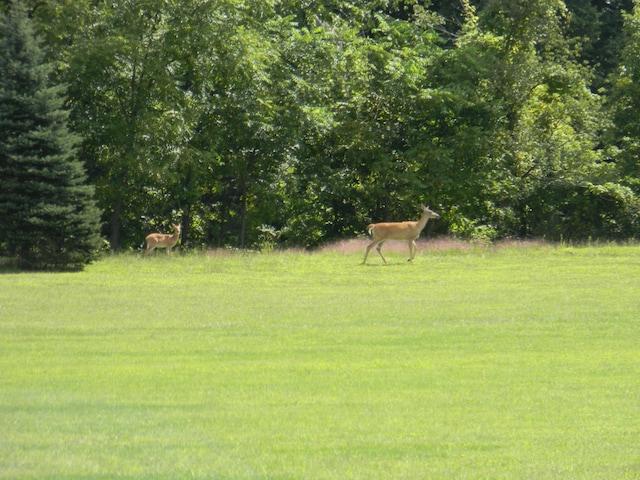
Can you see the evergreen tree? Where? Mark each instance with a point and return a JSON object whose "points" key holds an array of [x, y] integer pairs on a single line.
{"points": [[47, 210]]}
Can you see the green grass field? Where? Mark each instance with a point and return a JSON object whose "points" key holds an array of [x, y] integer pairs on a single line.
{"points": [[484, 363]]}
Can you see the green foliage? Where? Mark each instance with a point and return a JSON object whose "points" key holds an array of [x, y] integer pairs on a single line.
{"points": [[577, 212], [319, 118], [48, 212], [597, 26], [625, 96]]}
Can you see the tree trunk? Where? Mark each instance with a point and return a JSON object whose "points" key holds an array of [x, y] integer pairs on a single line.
{"points": [[186, 224], [115, 223], [243, 214]]}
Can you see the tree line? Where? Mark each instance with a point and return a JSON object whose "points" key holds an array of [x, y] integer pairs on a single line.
{"points": [[305, 120]]}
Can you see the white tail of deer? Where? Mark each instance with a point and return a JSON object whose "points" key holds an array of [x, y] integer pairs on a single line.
{"points": [[162, 240], [409, 231]]}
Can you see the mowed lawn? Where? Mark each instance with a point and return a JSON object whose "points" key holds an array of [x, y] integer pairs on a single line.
{"points": [[521, 362]]}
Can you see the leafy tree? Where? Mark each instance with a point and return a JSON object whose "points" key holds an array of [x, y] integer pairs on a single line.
{"points": [[357, 96], [598, 26], [122, 62], [48, 212], [310, 119], [510, 114], [174, 102], [625, 95]]}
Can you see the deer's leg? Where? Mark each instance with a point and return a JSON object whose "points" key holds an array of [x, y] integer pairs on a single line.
{"points": [[378, 245], [412, 249], [379, 249], [366, 254]]}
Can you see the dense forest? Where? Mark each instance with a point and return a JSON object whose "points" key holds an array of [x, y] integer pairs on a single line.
{"points": [[300, 121]]}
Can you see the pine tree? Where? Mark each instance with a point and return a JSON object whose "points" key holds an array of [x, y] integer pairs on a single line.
{"points": [[47, 212]]}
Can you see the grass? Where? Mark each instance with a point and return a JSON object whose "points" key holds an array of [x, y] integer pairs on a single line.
{"points": [[513, 362]]}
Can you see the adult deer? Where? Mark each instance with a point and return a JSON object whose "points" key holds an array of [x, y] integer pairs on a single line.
{"points": [[409, 231], [162, 240]]}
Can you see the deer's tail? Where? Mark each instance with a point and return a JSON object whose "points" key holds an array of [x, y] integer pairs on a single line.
{"points": [[370, 228]]}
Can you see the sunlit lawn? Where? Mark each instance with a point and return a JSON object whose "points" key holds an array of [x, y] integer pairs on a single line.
{"points": [[519, 362]]}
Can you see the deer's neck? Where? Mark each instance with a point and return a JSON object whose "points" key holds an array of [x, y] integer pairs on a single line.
{"points": [[420, 224]]}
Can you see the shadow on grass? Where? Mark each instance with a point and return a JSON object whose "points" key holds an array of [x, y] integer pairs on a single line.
{"points": [[386, 265]]}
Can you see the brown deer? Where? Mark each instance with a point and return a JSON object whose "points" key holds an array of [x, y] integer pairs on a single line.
{"points": [[162, 240], [409, 231]]}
